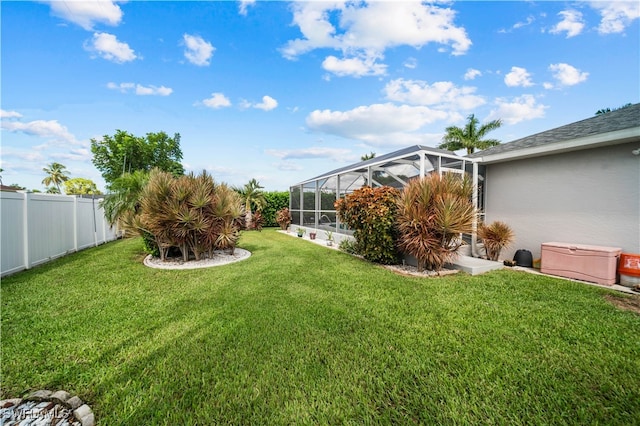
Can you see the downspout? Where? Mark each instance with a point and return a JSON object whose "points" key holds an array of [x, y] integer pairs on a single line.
{"points": [[474, 226]]}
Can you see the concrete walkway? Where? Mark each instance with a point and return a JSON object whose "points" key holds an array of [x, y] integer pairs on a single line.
{"points": [[474, 265]]}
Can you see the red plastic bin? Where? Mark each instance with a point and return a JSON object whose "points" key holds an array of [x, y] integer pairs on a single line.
{"points": [[629, 269], [629, 264]]}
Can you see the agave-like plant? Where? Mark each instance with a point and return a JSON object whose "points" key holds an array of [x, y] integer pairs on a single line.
{"points": [[495, 236], [155, 216], [229, 216], [191, 213], [432, 213]]}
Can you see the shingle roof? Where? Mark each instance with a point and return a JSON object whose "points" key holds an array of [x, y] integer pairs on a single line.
{"points": [[620, 119]]}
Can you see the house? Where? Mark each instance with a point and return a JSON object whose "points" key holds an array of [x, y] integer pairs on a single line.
{"points": [[578, 183]]}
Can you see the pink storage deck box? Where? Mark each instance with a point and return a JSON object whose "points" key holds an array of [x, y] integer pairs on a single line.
{"points": [[595, 264]]}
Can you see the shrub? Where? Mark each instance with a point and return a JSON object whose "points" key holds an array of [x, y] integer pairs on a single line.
{"points": [[276, 200], [258, 221], [370, 212], [348, 246], [495, 236], [191, 212], [149, 243], [432, 213], [283, 217]]}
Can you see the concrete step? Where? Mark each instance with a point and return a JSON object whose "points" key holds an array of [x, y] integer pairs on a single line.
{"points": [[474, 265], [465, 250]]}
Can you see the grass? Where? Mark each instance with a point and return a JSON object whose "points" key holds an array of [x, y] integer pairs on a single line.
{"points": [[299, 334]]}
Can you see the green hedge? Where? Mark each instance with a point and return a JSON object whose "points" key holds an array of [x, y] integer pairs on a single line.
{"points": [[276, 200]]}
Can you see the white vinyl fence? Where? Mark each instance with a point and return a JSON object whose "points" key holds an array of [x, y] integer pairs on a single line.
{"points": [[36, 228]]}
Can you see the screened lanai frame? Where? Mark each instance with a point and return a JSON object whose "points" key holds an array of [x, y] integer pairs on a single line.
{"points": [[311, 202]]}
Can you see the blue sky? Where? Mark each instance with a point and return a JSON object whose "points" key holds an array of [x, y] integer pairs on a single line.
{"points": [[284, 91]]}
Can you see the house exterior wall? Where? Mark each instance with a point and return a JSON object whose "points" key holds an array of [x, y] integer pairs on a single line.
{"points": [[590, 196]]}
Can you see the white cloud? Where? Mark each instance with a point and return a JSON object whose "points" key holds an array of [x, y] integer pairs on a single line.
{"points": [[441, 93], [616, 16], [288, 166], [567, 75], [107, 46], [198, 51], [216, 101], [518, 77], [153, 90], [87, 13], [267, 104], [572, 23], [244, 5], [517, 25], [122, 87], [50, 129], [529, 21], [364, 30], [379, 123], [336, 154], [519, 109], [471, 74], [411, 63], [80, 154], [9, 114], [31, 155], [355, 67], [139, 89]]}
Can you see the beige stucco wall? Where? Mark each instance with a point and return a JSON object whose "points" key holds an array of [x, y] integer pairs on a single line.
{"points": [[585, 197]]}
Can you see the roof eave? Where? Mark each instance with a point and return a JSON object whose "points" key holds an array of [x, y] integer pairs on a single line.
{"points": [[594, 141]]}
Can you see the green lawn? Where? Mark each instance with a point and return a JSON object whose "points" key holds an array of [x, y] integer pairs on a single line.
{"points": [[300, 334]]}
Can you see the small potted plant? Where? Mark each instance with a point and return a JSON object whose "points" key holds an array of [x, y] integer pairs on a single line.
{"points": [[312, 235], [301, 232], [329, 238]]}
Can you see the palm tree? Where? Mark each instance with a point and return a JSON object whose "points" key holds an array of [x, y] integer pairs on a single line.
{"points": [[252, 196], [56, 174], [470, 137], [123, 202], [369, 156]]}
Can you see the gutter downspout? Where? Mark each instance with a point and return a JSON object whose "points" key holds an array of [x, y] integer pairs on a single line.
{"points": [[474, 226]]}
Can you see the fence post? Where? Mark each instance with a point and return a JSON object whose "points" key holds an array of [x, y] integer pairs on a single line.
{"points": [[25, 229], [75, 223]]}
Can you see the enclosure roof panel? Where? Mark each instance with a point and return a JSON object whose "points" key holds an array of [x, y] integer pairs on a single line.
{"points": [[382, 159]]}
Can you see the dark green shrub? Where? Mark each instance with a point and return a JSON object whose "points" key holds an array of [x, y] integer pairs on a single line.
{"points": [[371, 212], [149, 243], [276, 200]]}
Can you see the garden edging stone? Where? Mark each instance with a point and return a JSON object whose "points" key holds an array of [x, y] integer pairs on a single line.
{"points": [[46, 408]]}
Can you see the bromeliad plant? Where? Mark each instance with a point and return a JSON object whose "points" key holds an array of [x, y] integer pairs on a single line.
{"points": [[432, 213], [495, 236], [283, 217], [191, 212]]}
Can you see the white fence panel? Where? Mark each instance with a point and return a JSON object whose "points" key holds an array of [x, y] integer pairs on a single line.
{"points": [[12, 225], [50, 223], [37, 228], [86, 223]]}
